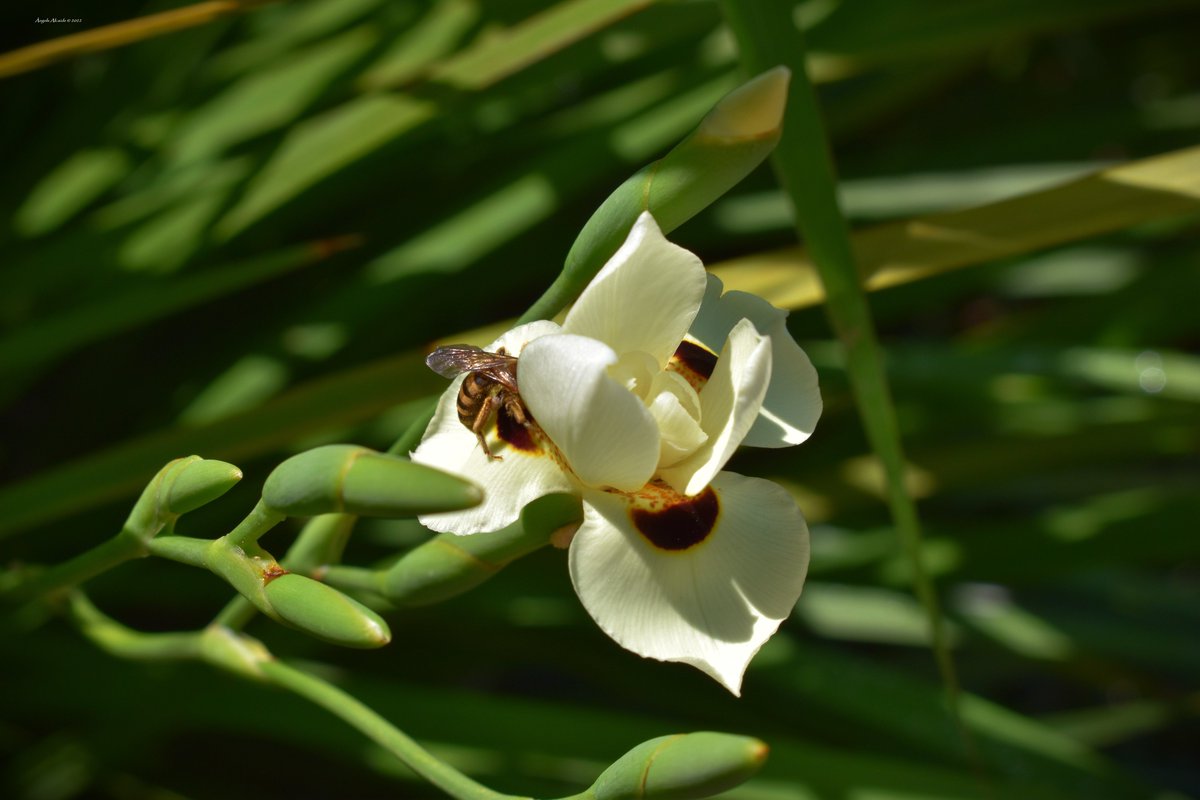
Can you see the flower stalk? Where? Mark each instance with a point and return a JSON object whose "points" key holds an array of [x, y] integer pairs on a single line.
{"points": [[734, 138], [449, 565], [684, 766], [183, 485]]}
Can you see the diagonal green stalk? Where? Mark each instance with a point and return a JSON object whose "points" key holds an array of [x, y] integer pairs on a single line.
{"points": [[88, 564], [220, 647], [353, 712], [767, 35]]}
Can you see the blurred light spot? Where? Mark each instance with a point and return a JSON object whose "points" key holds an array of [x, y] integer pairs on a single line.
{"points": [[807, 15], [940, 557], [866, 614], [840, 549], [1151, 376], [990, 609], [69, 188], [315, 341], [472, 233], [647, 133], [718, 48], [1015, 388], [1152, 380], [1147, 359], [866, 473], [244, 385], [1111, 369], [1074, 271], [1083, 521], [166, 241], [620, 46]]}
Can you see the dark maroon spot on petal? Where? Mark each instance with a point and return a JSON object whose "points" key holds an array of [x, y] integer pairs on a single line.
{"points": [[517, 436], [697, 358], [681, 524]]}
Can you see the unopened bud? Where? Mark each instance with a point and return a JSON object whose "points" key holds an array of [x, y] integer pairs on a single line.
{"points": [[752, 110], [199, 482], [681, 767], [735, 137], [449, 565], [183, 485], [325, 613], [343, 478]]}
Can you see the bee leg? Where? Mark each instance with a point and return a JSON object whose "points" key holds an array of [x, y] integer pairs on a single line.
{"points": [[485, 411], [516, 410]]}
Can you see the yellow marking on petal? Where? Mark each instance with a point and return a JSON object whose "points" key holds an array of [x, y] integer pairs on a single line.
{"points": [[694, 362]]}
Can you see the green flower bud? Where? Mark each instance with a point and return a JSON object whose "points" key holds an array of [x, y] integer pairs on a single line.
{"points": [[734, 138], [183, 485], [449, 565], [199, 482], [680, 767], [342, 478], [325, 613]]}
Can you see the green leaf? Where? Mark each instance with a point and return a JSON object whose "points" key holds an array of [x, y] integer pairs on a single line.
{"points": [[767, 35]]}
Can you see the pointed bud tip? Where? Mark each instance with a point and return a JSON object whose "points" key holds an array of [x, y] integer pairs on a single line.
{"points": [[753, 110], [200, 482], [324, 612], [693, 765]]}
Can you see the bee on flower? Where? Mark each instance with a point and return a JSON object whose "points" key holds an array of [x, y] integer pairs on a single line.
{"points": [[634, 404]]}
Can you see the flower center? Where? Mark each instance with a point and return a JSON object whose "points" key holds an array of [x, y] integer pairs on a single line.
{"points": [[672, 399]]}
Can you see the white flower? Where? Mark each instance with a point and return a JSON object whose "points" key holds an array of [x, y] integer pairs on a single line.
{"points": [[675, 559]]}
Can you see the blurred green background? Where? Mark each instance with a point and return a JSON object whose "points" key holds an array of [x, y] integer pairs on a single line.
{"points": [[240, 240]]}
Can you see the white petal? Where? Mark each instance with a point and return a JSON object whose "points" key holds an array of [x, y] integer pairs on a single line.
{"points": [[712, 605], [792, 405], [514, 341], [676, 409], [729, 406], [605, 433], [644, 298], [508, 485]]}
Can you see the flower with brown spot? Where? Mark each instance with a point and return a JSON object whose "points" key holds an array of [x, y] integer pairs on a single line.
{"points": [[635, 412]]}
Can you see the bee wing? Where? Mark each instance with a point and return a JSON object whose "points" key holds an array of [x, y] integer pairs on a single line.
{"points": [[454, 359]]}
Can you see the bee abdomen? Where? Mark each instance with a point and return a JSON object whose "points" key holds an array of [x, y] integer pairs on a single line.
{"points": [[475, 388]]}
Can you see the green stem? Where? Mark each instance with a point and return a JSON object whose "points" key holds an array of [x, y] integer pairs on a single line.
{"points": [[354, 579], [260, 520], [236, 614], [184, 549], [321, 541], [101, 558], [125, 642], [767, 35], [379, 730], [121, 641]]}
